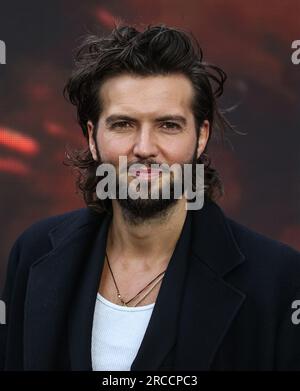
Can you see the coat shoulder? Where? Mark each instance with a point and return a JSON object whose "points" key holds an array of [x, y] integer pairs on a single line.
{"points": [[257, 243], [42, 227], [37, 238], [266, 259]]}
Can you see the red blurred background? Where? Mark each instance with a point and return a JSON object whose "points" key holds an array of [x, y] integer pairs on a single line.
{"points": [[251, 41]]}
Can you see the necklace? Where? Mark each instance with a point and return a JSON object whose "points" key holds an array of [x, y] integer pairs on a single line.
{"points": [[118, 292]]}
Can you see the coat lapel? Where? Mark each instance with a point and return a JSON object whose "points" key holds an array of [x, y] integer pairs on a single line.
{"points": [[161, 333], [83, 305], [210, 304], [53, 283], [209, 307]]}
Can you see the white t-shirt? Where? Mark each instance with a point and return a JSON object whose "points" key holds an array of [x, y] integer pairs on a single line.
{"points": [[117, 334]]}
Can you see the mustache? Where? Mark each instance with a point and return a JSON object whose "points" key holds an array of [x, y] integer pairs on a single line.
{"points": [[148, 163], [164, 168]]}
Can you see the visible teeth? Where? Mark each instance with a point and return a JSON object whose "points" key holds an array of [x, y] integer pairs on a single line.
{"points": [[147, 172]]}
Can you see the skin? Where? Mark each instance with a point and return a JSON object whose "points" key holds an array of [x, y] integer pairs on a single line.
{"points": [[143, 251]]}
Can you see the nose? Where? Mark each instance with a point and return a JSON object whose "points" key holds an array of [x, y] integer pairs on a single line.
{"points": [[145, 144]]}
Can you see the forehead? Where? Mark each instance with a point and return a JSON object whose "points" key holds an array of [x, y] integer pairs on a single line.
{"points": [[148, 95]]}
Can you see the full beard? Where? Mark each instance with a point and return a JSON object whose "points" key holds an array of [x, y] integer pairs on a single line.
{"points": [[143, 210], [140, 210]]}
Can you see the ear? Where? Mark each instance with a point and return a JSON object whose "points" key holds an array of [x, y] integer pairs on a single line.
{"points": [[203, 137], [92, 145]]}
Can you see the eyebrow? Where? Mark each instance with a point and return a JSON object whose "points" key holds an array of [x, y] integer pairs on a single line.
{"points": [[114, 117]]}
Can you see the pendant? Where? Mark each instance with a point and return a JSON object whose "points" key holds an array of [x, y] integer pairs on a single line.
{"points": [[123, 302]]}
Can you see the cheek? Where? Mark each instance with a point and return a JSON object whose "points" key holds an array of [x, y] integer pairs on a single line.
{"points": [[111, 148], [180, 150]]}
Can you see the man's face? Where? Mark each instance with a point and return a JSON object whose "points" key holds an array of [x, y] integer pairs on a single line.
{"points": [[148, 120]]}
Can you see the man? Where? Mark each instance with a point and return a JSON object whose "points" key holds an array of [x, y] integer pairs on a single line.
{"points": [[146, 283]]}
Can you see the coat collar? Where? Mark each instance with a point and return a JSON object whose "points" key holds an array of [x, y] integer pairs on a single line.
{"points": [[194, 308]]}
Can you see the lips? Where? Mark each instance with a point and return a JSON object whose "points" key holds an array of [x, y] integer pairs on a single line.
{"points": [[147, 173]]}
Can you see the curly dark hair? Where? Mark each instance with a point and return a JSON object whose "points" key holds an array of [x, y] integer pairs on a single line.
{"points": [[157, 50]]}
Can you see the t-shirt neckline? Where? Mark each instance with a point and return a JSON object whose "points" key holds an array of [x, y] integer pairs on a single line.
{"points": [[121, 307]]}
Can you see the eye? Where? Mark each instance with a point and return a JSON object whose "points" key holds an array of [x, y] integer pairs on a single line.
{"points": [[121, 124], [171, 125]]}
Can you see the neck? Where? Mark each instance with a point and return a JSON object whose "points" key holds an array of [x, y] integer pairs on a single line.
{"points": [[146, 246]]}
